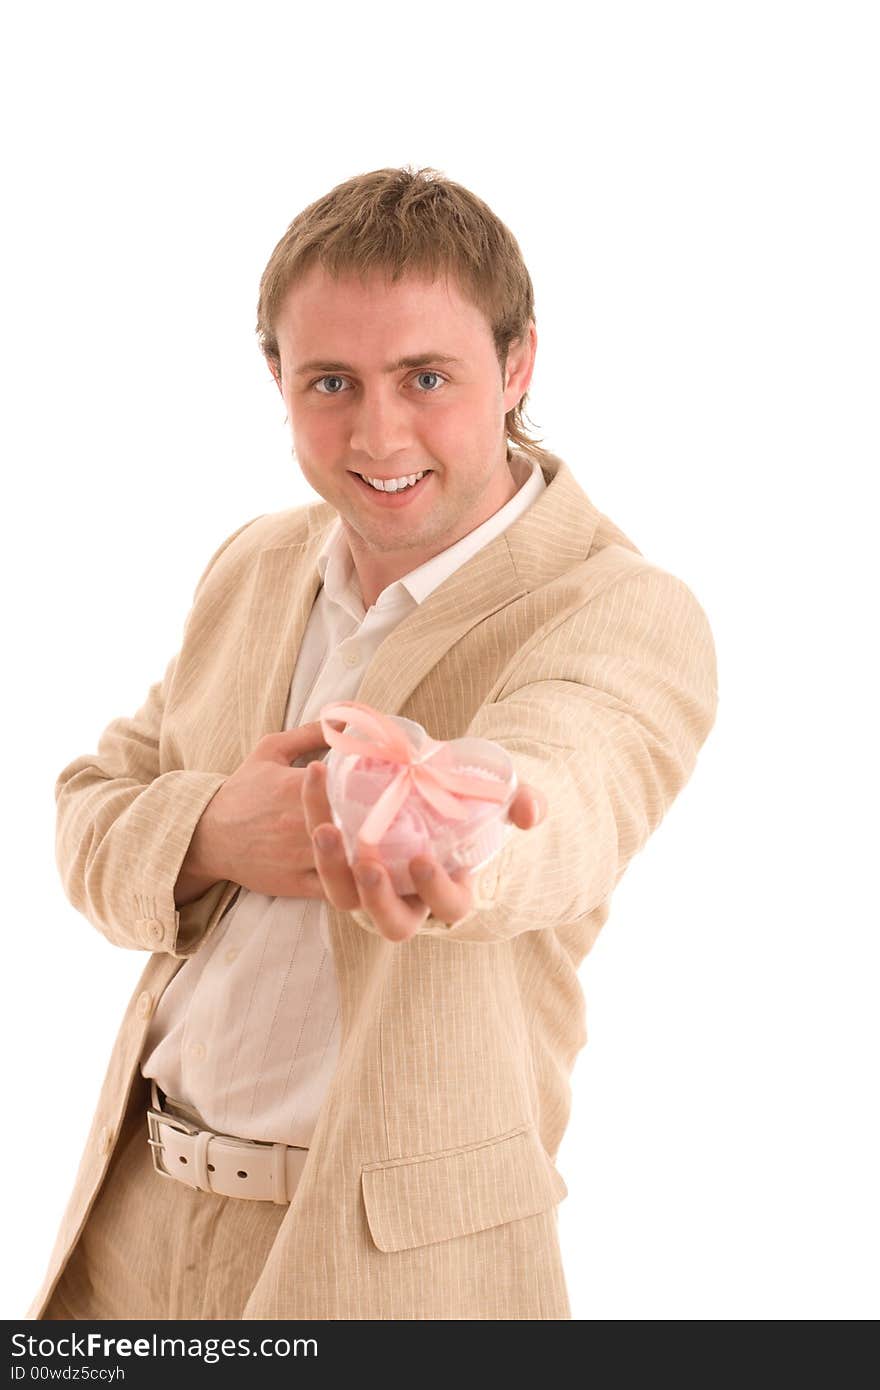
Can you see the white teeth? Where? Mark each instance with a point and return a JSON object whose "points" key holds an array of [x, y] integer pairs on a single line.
{"points": [[394, 484]]}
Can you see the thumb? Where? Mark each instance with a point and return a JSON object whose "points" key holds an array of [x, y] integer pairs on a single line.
{"points": [[528, 808], [285, 746]]}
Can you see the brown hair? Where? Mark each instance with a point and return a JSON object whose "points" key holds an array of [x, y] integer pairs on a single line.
{"points": [[401, 221]]}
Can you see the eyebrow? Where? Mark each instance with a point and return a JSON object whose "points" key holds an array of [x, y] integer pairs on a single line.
{"points": [[420, 359]]}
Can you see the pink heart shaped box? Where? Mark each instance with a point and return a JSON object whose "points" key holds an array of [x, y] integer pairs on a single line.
{"points": [[426, 796]]}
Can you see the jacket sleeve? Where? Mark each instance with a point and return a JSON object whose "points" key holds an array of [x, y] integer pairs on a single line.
{"points": [[123, 830], [605, 714]]}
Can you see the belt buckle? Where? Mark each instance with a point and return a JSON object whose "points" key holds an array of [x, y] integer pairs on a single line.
{"points": [[155, 1143]]}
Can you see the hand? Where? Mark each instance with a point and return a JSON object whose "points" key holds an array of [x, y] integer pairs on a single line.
{"points": [[253, 830], [397, 917]]}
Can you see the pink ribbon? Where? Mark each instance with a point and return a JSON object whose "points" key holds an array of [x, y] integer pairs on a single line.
{"points": [[438, 786]]}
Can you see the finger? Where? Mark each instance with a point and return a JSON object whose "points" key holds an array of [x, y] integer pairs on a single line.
{"points": [[396, 918], [289, 744], [327, 847], [315, 802], [448, 896], [333, 868], [528, 808]]}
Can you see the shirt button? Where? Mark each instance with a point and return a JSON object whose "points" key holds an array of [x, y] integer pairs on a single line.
{"points": [[231, 953], [155, 930], [352, 657], [144, 1004], [198, 1050], [105, 1139]]}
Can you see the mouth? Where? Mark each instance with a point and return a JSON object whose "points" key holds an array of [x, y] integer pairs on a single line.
{"points": [[393, 499]]}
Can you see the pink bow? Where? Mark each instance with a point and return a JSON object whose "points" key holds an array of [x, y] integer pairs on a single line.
{"points": [[392, 746]]}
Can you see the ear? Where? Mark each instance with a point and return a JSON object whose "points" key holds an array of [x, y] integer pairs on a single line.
{"points": [[520, 366], [275, 374]]}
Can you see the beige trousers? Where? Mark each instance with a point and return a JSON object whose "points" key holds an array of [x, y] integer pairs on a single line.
{"points": [[153, 1248]]}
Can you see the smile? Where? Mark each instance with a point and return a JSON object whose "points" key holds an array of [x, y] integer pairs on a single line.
{"points": [[398, 498]]}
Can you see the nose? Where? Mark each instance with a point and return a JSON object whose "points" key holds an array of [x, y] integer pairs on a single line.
{"points": [[380, 425]]}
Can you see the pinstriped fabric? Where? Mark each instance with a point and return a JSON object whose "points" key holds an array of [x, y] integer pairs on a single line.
{"points": [[155, 1249], [128, 810], [247, 1032], [416, 1201], [596, 670]]}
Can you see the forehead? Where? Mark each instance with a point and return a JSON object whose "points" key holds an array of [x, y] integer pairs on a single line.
{"points": [[320, 308]]}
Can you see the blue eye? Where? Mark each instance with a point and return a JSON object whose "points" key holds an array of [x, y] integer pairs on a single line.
{"points": [[334, 377], [436, 374]]}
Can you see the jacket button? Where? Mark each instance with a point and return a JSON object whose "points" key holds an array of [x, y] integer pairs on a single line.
{"points": [[105, 1139], [155, 930], [144, 1004]]}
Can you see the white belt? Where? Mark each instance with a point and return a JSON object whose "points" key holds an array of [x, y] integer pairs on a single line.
{"points": [[220, 1163]]}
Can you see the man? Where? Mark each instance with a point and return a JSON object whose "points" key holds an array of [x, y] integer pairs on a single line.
{"points": [[327, 1100]]}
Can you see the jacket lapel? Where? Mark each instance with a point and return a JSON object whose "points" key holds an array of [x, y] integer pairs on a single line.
{"points": [[284, 589], [481, 586]]}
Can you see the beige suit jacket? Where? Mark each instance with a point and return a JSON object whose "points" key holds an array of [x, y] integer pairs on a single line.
{"points": [[430, 1189]]}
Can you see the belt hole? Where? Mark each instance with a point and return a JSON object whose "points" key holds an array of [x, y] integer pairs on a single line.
{"points": [[210, 1167], [241, 1174], [181, 1157]]}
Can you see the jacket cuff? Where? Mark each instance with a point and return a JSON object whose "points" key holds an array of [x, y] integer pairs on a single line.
{"points": [[160, 924]]}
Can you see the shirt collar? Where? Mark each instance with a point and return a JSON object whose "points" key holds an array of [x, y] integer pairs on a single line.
{"points": [[336, 566]]}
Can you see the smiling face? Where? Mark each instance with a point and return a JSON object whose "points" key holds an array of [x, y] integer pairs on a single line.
{"points": [[388, 380]]}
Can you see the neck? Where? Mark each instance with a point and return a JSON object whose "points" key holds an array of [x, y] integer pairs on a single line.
{"points": [[377, 569]]}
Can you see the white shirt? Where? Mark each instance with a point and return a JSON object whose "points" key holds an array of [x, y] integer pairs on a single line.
{"points": [[247, 1031]]}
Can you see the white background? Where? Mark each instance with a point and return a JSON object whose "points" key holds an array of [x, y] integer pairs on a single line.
{"points": [[694, 189]]}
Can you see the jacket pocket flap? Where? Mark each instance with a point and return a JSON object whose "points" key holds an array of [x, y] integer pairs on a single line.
{"points": [[435, 1196]]}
